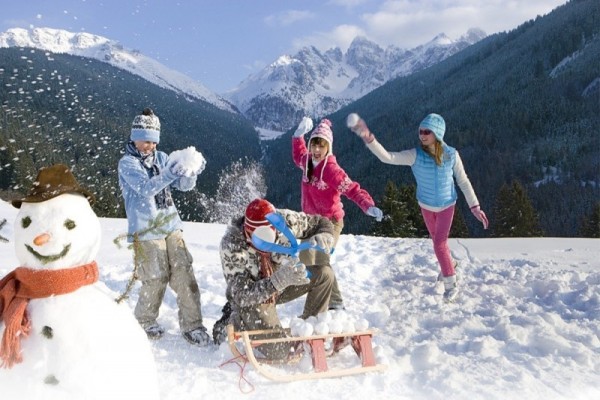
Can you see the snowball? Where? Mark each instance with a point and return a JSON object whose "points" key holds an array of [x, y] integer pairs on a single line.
{"points": [[312, 320], [188, 158], [339, 315], [352, 120], [324, 317], [265, 233], [322, 328], [305, 330], [361, 325], [300, 327], [335, 326], [348, 326]]}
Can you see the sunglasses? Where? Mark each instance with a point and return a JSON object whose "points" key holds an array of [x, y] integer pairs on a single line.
{"points": [[425, 132]]}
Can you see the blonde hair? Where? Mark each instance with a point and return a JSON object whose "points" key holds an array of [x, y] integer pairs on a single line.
{"points": [[437, 153]]}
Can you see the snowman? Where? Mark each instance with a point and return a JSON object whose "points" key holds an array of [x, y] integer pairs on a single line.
{"points": [[62, 334]]}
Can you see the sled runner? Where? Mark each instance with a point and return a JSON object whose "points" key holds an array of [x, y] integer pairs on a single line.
{"points": [[360, 342]]}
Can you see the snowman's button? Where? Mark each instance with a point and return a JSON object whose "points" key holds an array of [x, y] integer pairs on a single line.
{"points": [[48, 332], [51, 380]]}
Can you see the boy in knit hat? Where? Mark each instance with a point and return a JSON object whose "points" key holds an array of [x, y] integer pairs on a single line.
{"points": [[146, 178], [323, 184], [259, 280]]}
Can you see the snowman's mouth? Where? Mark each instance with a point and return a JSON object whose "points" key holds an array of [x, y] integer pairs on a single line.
{"points": [[53, 257]]}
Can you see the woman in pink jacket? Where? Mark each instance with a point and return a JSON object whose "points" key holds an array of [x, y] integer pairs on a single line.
{"points": [[323, 184]]}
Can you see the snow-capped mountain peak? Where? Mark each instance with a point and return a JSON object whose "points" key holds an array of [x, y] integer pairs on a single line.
{"points": [[97, 47], [317, 83]]}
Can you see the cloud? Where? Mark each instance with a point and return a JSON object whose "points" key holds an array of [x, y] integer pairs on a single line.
{"points": [[287, 18], [409, 23], [341, 36]]}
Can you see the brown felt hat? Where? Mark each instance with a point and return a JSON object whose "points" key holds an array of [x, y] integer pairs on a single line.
{"points": [[51, 182]]}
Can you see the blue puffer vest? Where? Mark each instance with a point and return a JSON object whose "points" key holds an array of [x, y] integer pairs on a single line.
{"points": [[435, 184]]}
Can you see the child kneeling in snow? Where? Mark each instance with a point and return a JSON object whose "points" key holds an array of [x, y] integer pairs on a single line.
{"points": [[257, 280], [146, 177]]}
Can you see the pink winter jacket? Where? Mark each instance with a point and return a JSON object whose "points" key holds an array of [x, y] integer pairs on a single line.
{"points": [[322, 194]]}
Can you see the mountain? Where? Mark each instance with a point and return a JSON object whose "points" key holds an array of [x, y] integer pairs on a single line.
{"points": [[520, 105], [317, 83], [78, 111], [111, 52]]}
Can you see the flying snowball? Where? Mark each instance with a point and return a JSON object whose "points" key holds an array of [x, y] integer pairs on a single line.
{"points": [[352, 120]]}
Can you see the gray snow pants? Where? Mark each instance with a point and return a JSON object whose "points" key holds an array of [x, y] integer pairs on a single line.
{"points": [[264, 316], [314, 257], [167, 261]]}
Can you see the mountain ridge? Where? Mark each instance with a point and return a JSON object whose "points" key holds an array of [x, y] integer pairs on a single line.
{"points": [[317, 83], [112, 52]]}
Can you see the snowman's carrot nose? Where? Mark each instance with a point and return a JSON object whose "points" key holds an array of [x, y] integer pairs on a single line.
{"points": [[42, 239]]}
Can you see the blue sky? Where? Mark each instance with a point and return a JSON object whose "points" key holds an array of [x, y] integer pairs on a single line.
{"points": [[221, 42]]}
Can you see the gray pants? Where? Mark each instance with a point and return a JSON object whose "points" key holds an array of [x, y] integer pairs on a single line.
{"points": [[162, 262], [314, 257], [264, 316]]}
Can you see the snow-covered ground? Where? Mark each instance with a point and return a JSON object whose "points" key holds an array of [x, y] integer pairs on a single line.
{"points": [[526, 326]]}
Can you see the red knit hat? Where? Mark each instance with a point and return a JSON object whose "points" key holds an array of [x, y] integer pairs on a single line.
{"points": [[255, 214]]}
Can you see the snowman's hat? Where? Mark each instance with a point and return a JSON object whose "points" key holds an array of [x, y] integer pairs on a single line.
{"points": [[51, 182]]}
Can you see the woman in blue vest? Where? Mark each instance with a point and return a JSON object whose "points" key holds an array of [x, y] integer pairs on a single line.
{"points": [[435, 166]]}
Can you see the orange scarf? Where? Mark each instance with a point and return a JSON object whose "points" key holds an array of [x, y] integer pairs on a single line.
{"points": [[24, 284]]}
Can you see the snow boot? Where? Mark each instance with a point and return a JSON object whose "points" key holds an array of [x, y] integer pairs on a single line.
{"points": [[440, 277], [219, 332], [197, 336], [450, 288], [154, 331]]}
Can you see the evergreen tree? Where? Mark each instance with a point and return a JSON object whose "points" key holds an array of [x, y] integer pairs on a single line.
{"points": [[590, 225], [514, 213], [397, 221], [408, 195]]}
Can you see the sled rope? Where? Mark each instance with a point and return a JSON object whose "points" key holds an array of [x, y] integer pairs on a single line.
{"points": [[235, 360]]}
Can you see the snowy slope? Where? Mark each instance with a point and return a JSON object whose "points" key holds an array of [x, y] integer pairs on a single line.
{"points": [[109, 51], [527, 325]]}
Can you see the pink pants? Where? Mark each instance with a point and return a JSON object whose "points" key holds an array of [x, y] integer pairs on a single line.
{"points": [[439, 224]]}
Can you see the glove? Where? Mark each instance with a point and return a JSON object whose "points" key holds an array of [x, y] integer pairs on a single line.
{"points": [[324, 241], [480, 215], [179, 170], [375, 213], [289, 275], [359, 126], [304, 127]]}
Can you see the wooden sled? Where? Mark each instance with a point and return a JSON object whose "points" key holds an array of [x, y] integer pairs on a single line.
{"points": [[360, 341]]}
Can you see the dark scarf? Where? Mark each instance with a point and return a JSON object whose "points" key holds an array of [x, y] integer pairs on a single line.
{"points": [[163, 199]]}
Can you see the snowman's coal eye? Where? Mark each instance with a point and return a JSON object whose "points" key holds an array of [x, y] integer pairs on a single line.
{"points": [[25, 222], [70, 224]]}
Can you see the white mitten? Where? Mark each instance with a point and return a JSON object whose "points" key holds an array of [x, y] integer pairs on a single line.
{"points": [[324, 241], [375, 213], [304, 127]]}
